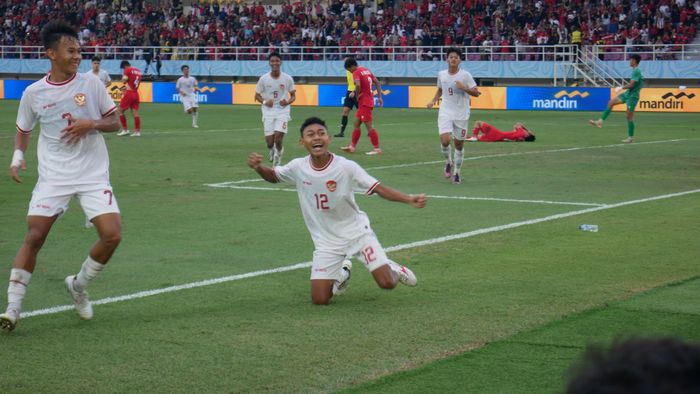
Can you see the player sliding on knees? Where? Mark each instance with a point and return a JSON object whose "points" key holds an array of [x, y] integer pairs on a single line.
{"points": [[326, 186]]}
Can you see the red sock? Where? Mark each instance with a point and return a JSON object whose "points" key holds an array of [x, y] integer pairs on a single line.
{"points": [[122, 119], [137, 123], [374, 138], [355, 137]]}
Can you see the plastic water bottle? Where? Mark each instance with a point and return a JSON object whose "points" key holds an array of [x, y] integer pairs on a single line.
{"points": [[589, 227]]}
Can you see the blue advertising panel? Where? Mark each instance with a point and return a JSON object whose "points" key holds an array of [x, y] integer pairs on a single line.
{"points": [[208, 93], [395, 96], [15, 87], [557, 99]]}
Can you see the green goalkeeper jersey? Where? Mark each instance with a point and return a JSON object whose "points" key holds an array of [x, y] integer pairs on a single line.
{"points": [[638, 79]]}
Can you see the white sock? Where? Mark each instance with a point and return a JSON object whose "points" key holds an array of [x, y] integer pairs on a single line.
{"points": [[195, 115], [446, 153], [17, 289], [88, 272], [277, 158], [459, 158]]}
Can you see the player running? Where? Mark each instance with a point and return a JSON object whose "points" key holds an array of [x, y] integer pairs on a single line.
{"points": [[276, 92], [454, 86], [72, 109], [187, 86], [363, 79], [130, 100], [630, 97], [484, 132], [326, 186]]}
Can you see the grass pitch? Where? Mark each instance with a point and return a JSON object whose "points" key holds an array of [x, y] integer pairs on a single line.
{"points": [[509, 293]]}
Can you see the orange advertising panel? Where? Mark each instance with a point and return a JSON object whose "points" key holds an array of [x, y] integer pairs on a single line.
{"points": [[116, 90], [245, 94], [665, 100], [491, 97], [2, 89]]}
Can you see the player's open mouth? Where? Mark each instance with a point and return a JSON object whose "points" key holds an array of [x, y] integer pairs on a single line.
{"points": [[317, 146]]}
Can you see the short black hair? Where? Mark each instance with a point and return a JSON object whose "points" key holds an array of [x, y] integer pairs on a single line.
{"points": [[310, 121], [530, 138], [649, 365], [183, 67], [274, 54], [453, 50], [124, 64], [52, 33], [97, 59], [350, 62], [636, 57]]}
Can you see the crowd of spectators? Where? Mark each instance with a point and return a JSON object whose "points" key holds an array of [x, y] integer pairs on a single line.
{"points": [[509, 25]]}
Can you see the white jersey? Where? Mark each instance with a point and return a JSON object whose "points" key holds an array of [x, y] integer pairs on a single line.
{"points": [[275, 89], [455, 101], [187, 86], [54, 105], [103, 76], [327, 199]]}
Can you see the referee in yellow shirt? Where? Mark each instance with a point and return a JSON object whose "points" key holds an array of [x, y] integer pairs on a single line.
{"points": [[349, 102]]}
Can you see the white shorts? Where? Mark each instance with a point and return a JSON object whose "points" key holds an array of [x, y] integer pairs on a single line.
{"points": [[51, 200], [458, 128], [272, 125], [189, 102], [328, 263]]}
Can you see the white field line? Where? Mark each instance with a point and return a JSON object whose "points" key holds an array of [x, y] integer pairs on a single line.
{"points": [[535, 152], [199, 131], [282, 189], [395, 248]]}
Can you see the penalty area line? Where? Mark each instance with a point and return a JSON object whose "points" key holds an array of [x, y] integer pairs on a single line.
{"points": [[427, 242]]}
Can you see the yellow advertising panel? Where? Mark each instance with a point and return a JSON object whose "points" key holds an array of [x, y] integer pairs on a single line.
{"points": [[491, 97], [2, 89], [245, 94], [307, 95], [116, 90], [665, 100]]}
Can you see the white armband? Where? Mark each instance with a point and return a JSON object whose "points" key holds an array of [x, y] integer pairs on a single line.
{"points": [[17, 158]]}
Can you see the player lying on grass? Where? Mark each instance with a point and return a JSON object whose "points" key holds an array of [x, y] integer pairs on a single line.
{"points": [[326, 186], [484, 132]]}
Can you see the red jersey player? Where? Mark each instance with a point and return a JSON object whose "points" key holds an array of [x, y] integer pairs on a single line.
{"points": [[130, 100], [365, 103], [484, 132]]}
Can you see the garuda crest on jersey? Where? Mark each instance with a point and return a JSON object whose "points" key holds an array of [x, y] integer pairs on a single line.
{"points": [[80, 99], [331, 185]]}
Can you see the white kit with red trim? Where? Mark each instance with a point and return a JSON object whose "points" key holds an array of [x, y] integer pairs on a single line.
{"points": [[327, 199], [55, 106]]}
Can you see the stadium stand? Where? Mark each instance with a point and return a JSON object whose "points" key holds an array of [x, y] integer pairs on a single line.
{"points": [[506, 25]]}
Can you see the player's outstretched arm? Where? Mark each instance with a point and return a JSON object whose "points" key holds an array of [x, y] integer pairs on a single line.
{"points": [[435, 99], [266, 173], [387, 193], [21, 144]]}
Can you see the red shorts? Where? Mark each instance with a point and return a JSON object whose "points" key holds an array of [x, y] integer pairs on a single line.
{"points": [[364, 114], [130, 100]]}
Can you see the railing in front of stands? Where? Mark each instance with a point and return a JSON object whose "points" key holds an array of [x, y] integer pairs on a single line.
{"points": [[565, 53]]}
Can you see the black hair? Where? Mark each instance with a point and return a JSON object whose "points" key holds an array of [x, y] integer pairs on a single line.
{"points": [[310, 121], [530, 138], [274, 54], [654, 365], [97, 59], [453, 50], [124, 64], [52, 33], [350, 62], [636, 57], [182, 68]]}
